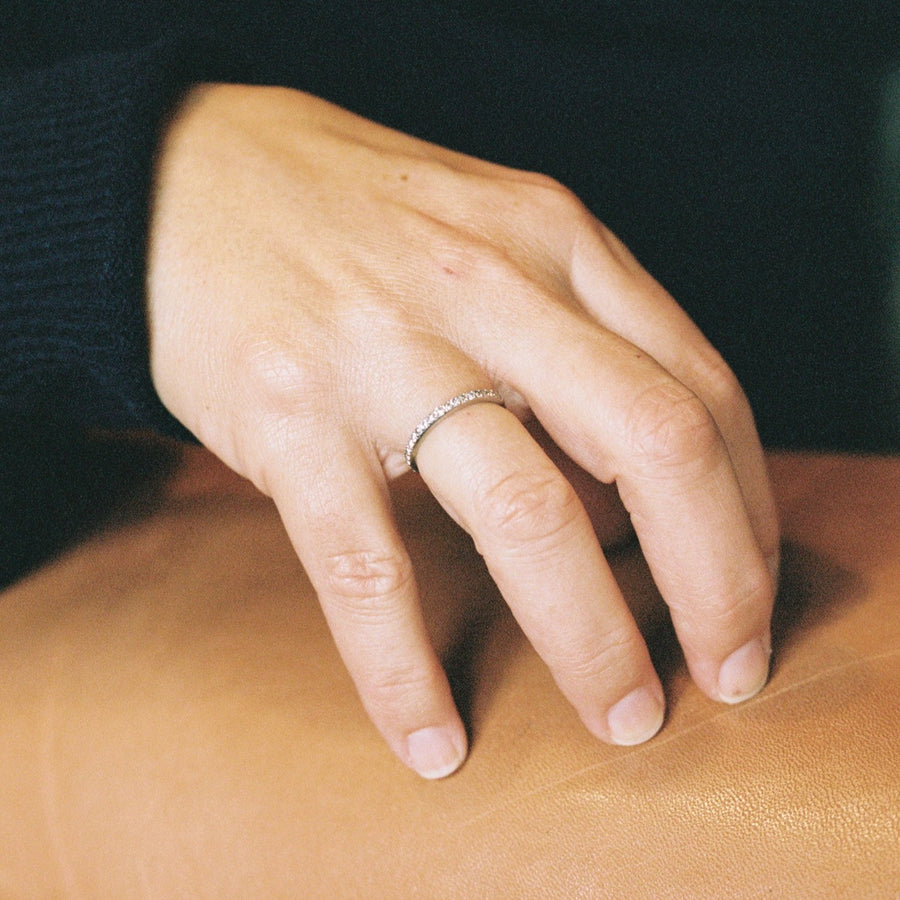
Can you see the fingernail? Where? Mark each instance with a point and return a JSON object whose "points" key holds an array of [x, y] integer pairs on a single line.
{"points": [[745, 672], [636, 717], [434, 752]]}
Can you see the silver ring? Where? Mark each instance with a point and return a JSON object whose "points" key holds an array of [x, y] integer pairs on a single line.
{"points": [[438, 413]]}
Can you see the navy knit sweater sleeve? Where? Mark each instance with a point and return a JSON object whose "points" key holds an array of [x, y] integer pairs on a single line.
{"points": [[727, 150], [77, 144]]}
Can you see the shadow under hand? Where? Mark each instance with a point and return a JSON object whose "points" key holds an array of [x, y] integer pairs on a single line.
{"points": [[814, 590], [479, 640]]}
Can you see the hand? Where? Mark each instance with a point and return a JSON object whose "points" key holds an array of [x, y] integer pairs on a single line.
{"points": [[318, 284]]}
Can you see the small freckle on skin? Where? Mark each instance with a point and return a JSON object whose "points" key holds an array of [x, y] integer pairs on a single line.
{"points": [[404, 177]]}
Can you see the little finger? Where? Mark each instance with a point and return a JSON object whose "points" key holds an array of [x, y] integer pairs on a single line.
{"points": [[337, 512]]}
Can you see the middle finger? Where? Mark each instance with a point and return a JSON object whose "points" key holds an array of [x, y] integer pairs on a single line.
{"points": [[541, 550]]}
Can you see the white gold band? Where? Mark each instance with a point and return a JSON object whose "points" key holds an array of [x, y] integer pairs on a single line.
{"points": [[454, 403]]}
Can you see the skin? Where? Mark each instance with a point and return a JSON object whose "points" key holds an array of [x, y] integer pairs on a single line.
{"points": [[318, 283]]}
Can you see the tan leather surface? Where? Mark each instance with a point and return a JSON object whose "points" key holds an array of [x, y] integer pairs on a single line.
{"points": [[176, 723]]}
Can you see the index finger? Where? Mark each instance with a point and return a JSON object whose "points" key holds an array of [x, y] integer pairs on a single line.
{"points": [[624, 298], [626, 419]]}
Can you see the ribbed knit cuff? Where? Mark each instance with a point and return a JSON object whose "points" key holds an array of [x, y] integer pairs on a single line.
{"points": [[77, 146]]}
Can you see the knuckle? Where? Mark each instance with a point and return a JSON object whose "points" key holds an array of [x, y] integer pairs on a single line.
{"points": [[552, 191], [362, 580], [727, 607], [470, 259], [601, 662], [670, 426], [726, 398], [529, 506], [273, 398], [396, 687], [273, 371], [552, 201]]}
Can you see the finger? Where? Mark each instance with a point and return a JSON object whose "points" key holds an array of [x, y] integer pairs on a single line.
{"points": [[337, 512], [537, 540], [624, 418], [627, 300], [608, 516]]}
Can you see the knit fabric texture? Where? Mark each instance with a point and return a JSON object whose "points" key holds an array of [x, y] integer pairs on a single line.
{"points": [[77, 142]]}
